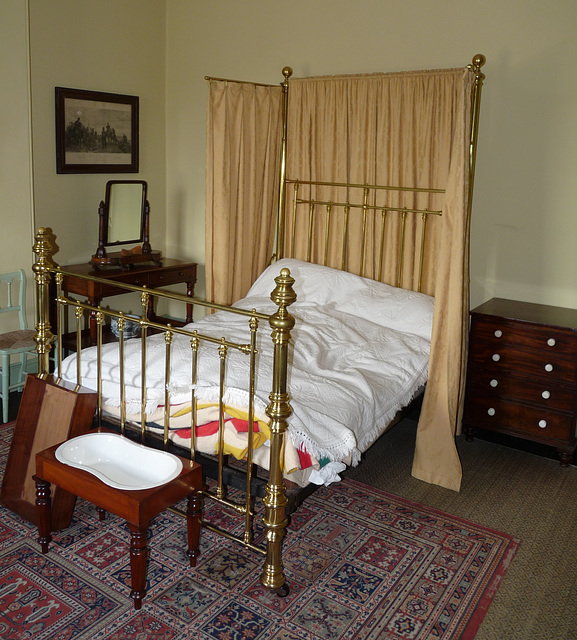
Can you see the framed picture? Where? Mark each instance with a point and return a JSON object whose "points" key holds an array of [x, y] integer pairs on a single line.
{"points": [[96, 132]]}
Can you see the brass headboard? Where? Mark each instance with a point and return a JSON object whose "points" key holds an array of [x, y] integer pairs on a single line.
{"points": [[387, 227], [372, 222]]}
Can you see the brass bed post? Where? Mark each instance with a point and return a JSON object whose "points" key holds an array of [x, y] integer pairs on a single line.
{"points": [[44, 249], [144, 299], [278, 410], [478, 61], [280, 222]]}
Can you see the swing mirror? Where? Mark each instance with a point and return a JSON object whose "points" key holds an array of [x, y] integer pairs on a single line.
{"points": [[123, 218], [124, 212]]}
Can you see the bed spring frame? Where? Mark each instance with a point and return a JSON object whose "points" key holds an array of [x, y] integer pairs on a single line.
{"points": [[321, 216]]}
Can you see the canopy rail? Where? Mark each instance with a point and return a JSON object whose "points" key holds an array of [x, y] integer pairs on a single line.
{"points": [[330, 208], [232, 81]]}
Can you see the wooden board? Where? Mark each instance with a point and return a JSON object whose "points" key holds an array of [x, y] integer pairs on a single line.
{"points": [[50, 412]]}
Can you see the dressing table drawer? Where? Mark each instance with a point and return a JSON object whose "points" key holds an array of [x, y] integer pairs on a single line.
{"points": [[522, 373], [171, 275]]}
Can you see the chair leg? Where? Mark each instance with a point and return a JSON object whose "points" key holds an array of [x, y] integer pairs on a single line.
{"points": [[5, 386], [22, 372], [138, 561], [193, 525]]}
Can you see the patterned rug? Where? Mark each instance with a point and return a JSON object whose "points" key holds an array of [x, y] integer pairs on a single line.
{"points": [[361, 564]]}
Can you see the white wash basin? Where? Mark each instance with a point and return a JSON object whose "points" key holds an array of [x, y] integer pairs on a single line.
{"points": [[119, 462]]}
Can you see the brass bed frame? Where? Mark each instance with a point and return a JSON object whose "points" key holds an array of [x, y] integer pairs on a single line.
{"points": [[321, 216]]}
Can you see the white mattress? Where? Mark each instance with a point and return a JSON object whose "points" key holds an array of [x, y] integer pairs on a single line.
{"points": [[360, 353]]}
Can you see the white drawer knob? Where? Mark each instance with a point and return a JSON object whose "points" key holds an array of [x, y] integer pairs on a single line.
{"points": [[494, 382], [549, 367], [498, 333], [546, 395], [496, 357], [542, 423], [491, 411], [551, 342]]}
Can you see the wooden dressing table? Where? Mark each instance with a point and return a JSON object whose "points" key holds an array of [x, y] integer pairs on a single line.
{"points": [[172, 271]]}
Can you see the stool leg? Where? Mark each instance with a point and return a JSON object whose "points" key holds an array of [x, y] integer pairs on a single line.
{"points": [[43, 511], [193, 524], [138, 560]]}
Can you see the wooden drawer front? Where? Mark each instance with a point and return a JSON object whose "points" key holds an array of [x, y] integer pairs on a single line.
{"points": [[498, 332], [490, 383], [490, 413], [139, 280], [502, 358], [91, 289], [176, 275]]}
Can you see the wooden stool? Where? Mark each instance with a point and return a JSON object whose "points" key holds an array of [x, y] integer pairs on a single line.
{"points": [[137, 507]]}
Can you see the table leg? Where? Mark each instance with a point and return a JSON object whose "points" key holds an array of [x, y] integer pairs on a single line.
{"points": [[190, 294], [193, 525], [94, 302], [138, 561], [150, 314], [43, 510]]}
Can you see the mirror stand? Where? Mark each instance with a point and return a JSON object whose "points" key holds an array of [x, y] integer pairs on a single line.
{"points": [[126, 205], [124, 258]]}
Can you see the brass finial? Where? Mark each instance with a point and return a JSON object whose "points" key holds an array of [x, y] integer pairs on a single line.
{"points": [[287, 73], [479, 60], [44, 247], [284, 294]]}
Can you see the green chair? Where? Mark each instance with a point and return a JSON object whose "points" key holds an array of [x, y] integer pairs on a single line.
{"points": [[19, 342]]}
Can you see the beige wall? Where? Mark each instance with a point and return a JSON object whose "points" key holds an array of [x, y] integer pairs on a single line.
{"points": [[110, 46], [16, 221], [524, 217]]}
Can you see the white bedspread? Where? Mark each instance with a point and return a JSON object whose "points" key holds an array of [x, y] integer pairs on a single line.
{"points": [[352, 366]]}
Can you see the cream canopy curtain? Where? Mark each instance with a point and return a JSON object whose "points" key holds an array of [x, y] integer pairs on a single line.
{"points": [[243, 143], [405, 129]]}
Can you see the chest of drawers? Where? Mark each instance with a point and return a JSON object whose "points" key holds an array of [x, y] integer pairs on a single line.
{"points": [[522, 373]]}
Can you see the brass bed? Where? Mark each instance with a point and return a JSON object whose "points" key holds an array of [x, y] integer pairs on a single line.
{"points": [[380, 232]]}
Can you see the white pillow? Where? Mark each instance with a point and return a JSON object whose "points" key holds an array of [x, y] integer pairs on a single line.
{"points": [[383, 304]]}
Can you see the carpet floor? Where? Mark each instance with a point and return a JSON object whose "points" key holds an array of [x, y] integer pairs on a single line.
{"points": [[361, 563], [530, 496]]}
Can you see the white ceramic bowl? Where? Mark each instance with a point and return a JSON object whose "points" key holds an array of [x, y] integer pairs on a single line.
{"points": [[118, 461]]}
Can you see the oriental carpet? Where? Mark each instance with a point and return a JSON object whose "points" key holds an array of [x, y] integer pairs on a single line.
{"points": [[361, 563]]}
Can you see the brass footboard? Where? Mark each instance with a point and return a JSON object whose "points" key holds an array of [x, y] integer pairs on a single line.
{"points": [[278, 410]]}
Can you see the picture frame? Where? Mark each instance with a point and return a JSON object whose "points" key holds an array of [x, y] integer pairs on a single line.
{"points": [[96, 132]]}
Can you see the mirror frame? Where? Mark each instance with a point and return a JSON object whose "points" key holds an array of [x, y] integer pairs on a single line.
{"points": [[126, 257], [106, 214]]}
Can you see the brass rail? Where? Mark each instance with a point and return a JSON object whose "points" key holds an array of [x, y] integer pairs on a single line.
{"points": [[375, 207], [375, 187], [254, 84], [160, 293]]}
